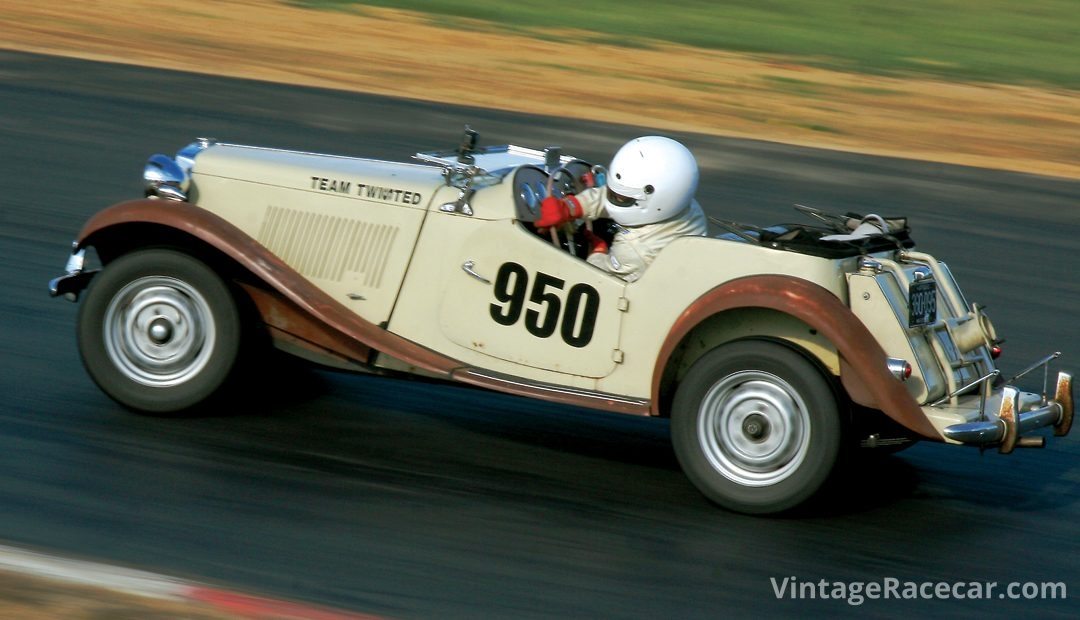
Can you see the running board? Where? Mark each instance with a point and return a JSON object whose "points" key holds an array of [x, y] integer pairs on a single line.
{"points": [[552, 392]]}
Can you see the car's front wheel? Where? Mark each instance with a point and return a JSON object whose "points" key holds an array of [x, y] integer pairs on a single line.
{"points": [[159, 331], [755, 426]]}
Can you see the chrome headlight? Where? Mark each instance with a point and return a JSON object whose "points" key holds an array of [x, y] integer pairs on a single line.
{"points": [[169, 178], [164, 178]]}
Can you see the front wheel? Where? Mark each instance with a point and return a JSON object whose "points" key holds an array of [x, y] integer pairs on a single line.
{"points": [[159, 331], [755, 426]]}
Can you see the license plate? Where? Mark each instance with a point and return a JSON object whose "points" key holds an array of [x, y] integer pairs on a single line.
{"points": [[922, 303]]}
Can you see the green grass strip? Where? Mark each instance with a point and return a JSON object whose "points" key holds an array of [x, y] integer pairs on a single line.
{"points": [[1004, 41]]}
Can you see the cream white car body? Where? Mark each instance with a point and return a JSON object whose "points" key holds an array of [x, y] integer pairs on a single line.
{"points": [[432, 267]]}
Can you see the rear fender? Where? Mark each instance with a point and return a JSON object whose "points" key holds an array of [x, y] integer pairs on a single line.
{"points": [[862, 362]]}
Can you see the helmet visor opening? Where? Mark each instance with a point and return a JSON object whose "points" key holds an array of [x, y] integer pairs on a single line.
{"points": [[619, 200]]}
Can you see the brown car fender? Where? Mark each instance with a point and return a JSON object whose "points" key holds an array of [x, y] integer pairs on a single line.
{"points": [[297, 301], [864, 372]]}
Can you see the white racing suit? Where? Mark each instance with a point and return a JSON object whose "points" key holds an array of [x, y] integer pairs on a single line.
{"points": [[635, 247]]}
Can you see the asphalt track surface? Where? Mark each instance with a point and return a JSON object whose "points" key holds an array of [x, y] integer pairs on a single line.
{"points": [[413, 500]]}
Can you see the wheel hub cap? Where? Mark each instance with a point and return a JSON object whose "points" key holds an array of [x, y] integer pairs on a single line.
{"points": [[159, 331], [754, 428]]}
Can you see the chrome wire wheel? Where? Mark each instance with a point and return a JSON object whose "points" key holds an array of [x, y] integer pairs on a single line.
{"points": [[754, 428], [159, 331]]}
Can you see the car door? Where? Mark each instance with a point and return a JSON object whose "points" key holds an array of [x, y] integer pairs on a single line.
{"points": [[522, 302]]}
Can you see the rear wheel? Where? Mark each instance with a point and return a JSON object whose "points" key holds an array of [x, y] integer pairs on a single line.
{"points": [[159, 331], [755, 426]]}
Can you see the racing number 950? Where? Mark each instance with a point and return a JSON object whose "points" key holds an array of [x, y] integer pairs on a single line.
{"points": [[578, 318]]}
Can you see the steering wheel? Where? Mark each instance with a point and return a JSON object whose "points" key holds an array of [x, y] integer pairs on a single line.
{"points": [[567, 180]]}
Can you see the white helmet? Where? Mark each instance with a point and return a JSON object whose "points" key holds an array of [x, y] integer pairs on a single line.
{"points": [[651, 179]]}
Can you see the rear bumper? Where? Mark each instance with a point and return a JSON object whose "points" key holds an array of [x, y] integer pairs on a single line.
{"points": [[1007, 431]]}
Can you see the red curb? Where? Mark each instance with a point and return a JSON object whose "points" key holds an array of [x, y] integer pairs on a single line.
{"points": [[258, 607]]}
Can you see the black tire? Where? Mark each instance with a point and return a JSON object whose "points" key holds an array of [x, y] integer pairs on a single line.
{"points": [[755, 426], [159, 331]]}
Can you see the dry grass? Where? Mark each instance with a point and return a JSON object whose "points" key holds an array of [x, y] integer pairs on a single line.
{"points": [[665, 87]]}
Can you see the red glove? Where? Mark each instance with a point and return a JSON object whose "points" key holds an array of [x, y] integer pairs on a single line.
{"points": [[596, 244], [555, 211]]}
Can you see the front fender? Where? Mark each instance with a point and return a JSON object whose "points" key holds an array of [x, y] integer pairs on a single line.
{"points": [[864, 372], [306, 298]]}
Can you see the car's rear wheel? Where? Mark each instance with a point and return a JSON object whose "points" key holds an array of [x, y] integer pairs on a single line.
{"points": [[755, 426], [159, 331]]}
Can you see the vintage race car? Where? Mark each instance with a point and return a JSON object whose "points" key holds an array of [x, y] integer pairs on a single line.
{"points": [[773, 350]]}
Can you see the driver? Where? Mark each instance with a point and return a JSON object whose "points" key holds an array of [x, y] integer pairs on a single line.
{"points": [[649, 194]]}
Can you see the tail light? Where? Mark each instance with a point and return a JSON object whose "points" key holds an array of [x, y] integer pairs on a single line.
{"points": [[899, 368]]}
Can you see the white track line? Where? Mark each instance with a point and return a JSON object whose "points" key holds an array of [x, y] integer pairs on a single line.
{"points": [[153, 585], [136, 582]]}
